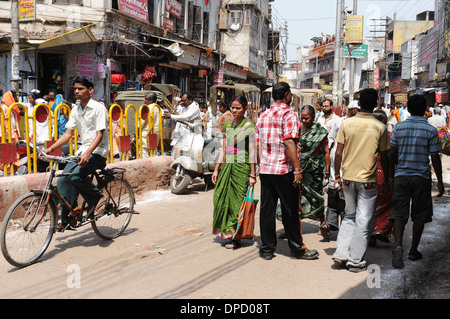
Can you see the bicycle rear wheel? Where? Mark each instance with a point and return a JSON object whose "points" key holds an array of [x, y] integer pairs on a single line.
{"points": [[27, 229], [115, 210]]}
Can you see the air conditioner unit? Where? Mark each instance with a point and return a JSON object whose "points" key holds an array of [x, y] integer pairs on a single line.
{"points": [[421, 69]]}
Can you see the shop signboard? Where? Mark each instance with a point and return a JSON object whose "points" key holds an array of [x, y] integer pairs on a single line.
{"points": [[174, 8], [207, 60], [234, 71], [218, 77], [357, 51], [85, 65], [191, 55], [428, 49], [376, 78], [27, 10], [442, 95], [168, 24], [135, 8]]}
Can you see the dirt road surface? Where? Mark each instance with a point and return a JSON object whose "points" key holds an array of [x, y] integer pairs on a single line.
{"points": [[168, 252]]}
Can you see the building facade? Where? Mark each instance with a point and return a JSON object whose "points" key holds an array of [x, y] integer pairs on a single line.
{"points": [[148, 41]]}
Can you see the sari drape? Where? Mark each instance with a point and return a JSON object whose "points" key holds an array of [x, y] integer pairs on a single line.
{"points": [[312, 162], [231, 186]]}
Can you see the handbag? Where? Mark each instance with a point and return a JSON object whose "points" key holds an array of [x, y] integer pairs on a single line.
{"points": [[246, 220]]}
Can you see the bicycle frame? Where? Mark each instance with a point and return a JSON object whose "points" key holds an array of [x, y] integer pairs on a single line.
{"points": [[50, 194]]}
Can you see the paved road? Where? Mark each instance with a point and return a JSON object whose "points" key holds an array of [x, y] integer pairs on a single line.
{"points": [[168, 252]]}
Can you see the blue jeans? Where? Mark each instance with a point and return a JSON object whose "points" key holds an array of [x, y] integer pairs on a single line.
{"points": [[79, 182], [357, 224]]}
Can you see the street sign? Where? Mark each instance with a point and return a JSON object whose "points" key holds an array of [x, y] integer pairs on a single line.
{"points": [[357, 51]]}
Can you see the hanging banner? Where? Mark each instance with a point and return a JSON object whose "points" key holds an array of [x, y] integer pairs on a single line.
{"points": [[135, 8], [174, 8], [27, 10], [354, 29]]}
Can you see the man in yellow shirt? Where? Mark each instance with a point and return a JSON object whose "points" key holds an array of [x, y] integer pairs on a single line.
{"points": [[359, 139]]}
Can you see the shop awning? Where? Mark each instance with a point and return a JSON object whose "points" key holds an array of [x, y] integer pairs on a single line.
{"points": [[78, 36]]}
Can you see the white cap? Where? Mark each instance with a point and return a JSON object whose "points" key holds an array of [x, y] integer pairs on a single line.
{"points": [[354, 105]]}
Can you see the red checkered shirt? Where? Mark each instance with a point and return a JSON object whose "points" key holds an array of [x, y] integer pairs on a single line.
{"points": [[275, 125]]}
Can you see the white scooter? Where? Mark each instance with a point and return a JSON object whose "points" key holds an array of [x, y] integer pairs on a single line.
{"points": [[193, 157]]}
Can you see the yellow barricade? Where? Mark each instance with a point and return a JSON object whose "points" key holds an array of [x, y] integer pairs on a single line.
{"points": [[116, 116], [8, 138]]}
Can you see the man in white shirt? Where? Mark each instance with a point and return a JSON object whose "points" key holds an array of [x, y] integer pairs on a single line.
{"points": [[336, 204], [91, 119], [328, 117], [191, 114], [443, 112], [437, 120]]}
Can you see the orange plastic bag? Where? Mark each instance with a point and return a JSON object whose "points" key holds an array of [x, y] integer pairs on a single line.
{"points": [[246, 221]]}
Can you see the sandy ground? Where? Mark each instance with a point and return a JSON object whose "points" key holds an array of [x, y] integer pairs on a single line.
{"points": [[168, 252]]}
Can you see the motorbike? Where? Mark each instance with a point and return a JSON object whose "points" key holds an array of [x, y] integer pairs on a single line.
{"points": [[194, 156]]}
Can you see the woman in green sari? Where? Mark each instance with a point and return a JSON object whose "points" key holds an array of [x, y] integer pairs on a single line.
{"points": [[315, 163], [238, 171]]}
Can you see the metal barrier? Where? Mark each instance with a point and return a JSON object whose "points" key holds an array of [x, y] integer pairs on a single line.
{"points": [[42, 112], [8, 139]]}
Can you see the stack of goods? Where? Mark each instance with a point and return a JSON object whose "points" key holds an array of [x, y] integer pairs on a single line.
{"points": [[444, 138], [117, 84]]}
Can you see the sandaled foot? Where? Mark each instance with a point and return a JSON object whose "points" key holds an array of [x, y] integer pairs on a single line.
{"points": [[414, 255], [325, 232], [64, 226], [233, 245], [397, 258]]}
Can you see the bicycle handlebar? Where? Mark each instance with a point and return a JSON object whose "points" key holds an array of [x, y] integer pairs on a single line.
{"points": [[58, 158]]}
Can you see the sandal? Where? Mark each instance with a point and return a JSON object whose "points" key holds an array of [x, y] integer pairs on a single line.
{"points": [[235, 244], [414, 256], [64, 226]]}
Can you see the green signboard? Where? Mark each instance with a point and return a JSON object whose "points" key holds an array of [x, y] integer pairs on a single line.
{"points": [[357, 51]]}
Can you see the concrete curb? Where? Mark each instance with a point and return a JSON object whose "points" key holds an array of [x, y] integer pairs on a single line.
{"points": [[143, 175]]}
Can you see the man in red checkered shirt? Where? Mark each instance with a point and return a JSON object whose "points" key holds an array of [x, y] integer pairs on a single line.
{"points": [[277, 134]]}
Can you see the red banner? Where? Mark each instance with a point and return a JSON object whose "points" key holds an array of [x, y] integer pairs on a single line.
{"points": [[174, 7], [169, 24], [135, 8]]}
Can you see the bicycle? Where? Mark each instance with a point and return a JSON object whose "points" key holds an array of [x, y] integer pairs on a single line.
{"points": [[31, 221]]}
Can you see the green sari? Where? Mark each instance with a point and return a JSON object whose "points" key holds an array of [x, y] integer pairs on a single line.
{"points": [[312, 162], [234, 175]]}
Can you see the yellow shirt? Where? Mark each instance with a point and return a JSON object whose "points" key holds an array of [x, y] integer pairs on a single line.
{"points": [[363, 137]]}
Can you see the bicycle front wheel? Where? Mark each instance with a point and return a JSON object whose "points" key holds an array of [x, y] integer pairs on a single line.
{"points": [[27, 229], [116, 210]]}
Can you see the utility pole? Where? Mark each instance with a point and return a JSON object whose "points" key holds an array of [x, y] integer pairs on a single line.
{"points": [[351, 87], [15, 41], [337, 63]]}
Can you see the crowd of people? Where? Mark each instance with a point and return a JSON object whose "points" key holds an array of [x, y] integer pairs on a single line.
{"points": [[34, 98], [373, 163]]}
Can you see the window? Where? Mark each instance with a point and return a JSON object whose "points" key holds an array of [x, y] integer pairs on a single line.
{"points": [[236, 17]]}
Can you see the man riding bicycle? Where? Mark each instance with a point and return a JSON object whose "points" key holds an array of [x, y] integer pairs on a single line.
{"points": [[91, 119]]}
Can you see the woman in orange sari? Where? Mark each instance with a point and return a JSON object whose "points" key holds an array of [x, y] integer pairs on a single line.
{"points": [[9, 98], [383, 227]]}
